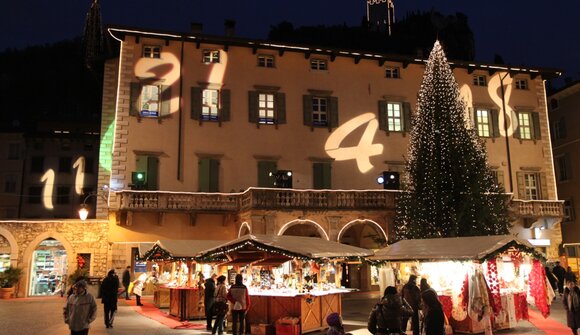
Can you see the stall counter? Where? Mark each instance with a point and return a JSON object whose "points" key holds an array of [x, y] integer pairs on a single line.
{"points": [[186, 303]]}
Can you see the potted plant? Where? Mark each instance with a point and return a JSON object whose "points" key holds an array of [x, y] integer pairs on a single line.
{"points": [[8, 279]]}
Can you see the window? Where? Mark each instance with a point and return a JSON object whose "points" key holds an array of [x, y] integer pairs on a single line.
{"points": [[554, 103], [531, 189], [319, 111], [13, 151], [479, 80], [563, 168], [84, 261], [151, 51], [267, 107], [65, 145], [321, 176], [498, 177], [150, 165], [89, 165], [521, 84], [150, 100], [265, 61], [88, 147], [10, 184], [211, 56], [559, 129], [34, 193], [483, 121], [209, 109], [266, 173], [568, 211], [62, 195], [525, 125], [394, 116], [318, 64], [37, 164], [208, 175], [210, 104], [64, 165], [392, 72]]}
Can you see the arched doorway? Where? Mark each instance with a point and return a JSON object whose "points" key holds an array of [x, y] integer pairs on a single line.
{"points": [[244, 229], [307, 228], [4, 253], [48, 268]]}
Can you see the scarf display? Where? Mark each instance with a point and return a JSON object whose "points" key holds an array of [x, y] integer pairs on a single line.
{"points": [[460, 301], [538, 288], [478, 296], [492, 280]]}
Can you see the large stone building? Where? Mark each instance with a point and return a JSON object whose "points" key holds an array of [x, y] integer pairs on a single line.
{"points": [[206, 137]]}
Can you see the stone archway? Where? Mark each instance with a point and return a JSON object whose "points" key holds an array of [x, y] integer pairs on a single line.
{"points": [[300, 227], [245, 229], [364, 233], [14, 250], [27, 258]]}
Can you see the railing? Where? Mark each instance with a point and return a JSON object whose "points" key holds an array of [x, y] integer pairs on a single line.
{"points": [[538, 208], [151, 200]]}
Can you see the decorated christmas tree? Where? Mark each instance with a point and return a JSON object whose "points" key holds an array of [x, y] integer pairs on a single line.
{"points": [[449, 189]]}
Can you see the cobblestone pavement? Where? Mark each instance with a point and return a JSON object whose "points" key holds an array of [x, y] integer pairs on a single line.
{"points": [[44, 316]]}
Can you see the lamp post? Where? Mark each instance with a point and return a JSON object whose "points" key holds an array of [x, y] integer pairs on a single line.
{"points": [[84, 209]]}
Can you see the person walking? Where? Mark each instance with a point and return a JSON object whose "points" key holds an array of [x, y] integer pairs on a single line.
{"points": [[208, 299], [560, 272], [138, 287], [412, 295], [552, 278], [109, 291], [80, 309], [571, 301], [433, 317], [221, 301], [387, 315], [239, 296], [127, 281], [569, 276]]}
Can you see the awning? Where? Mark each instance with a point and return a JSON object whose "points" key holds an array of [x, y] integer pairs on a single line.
{"points": [[452, 248]]}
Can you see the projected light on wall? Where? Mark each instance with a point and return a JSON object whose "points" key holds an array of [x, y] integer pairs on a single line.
{"points": [[105, 157], [494, 89], [79, 165], [48, 189], [365, 148], [164, 69]]}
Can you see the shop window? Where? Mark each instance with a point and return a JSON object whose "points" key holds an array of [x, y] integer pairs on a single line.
{"points": [[49, 269]]}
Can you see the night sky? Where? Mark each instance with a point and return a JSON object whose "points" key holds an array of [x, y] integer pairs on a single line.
{"points": [[524, 32]]}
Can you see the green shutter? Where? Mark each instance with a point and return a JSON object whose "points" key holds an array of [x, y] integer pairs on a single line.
{"points": [[516, 129], [152, 173], [307, 109], [134, 107], [253, 107], [333, 110], [214, 173], [406, 116], [203, 174], [321, 176], [165, 100], [280, 108], [264, 169], [495, 122], [543, 194], [383, 116], [225, 105], [536, 125], [196, 103], [521, 187]]}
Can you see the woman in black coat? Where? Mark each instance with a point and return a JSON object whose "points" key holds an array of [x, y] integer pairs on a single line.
{"points": [[571, 300], [434, 319]]}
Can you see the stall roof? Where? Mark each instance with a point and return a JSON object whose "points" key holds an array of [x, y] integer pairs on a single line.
{"points": [[184, 248], [452, 248], [144, 247], [310, 247]]}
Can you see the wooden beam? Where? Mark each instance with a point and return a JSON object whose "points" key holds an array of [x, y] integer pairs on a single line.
{"points": [[406, 63], [332, 57], [281, 52], [381, 62], [357, 59], [254, 50], [307, 54], [137, 38]]}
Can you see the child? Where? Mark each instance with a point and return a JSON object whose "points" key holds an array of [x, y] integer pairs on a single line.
{"points": [[335, 326]]}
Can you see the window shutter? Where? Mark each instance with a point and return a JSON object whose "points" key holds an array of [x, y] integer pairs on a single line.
{"points": [[321, 176], [543, 194], [203, 174], [562, 126], [307, 109], [473, 116], [383, 116], [280, 108], [536, 121], [406, 116], [165, 100], [333, 110], [225, 105], [500, 179], [495, 122], [214, 173], [516, 129], [521, 188], [134, 107], [152, 173], [264, 169], [195, 103], [253, 106]]}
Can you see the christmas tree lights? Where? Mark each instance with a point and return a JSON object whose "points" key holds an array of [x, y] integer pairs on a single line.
{"points": [[449, 190]]}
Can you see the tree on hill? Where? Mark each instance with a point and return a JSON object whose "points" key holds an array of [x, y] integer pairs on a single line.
{"points": [[450, 190]]}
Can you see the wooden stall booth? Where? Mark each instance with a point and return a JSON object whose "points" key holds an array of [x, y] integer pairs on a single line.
{"points": [[179, 288], [485, 278], [288, 277]]}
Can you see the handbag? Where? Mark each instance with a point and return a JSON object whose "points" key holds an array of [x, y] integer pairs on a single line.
{"points": [[219, 308]]}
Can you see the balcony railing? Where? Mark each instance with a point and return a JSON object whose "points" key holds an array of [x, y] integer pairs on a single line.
{"points": [[538, 208]]}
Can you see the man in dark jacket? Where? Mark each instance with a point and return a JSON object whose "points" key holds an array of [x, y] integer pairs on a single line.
{"points": [[127, 281], [412, 295], [208, 299], [109, 290], [386, 316], [571, 302], [559, 271]]}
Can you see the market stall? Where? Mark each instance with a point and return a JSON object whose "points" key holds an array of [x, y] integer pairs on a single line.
{"points": [[288, 277], [178, 283], [482, 281]]}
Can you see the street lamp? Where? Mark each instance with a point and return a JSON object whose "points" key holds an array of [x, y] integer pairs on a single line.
{"points": [[84, 209]]}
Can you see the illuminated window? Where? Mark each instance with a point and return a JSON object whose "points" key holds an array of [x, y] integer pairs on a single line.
{"points": [[521, 84], [211, 56], [13, 151], [562, 166], [209, 109], [568, 211], [62, 195], [10, 184], [64, 165], [150, 100], [531, 188], [394, 116], [392, 72], [34, 193], [266, 108], [479, 80], [319, 111], [37, 164], [151, 51], [265, 61], [525, 125], [483, 122], [318, 64]]}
